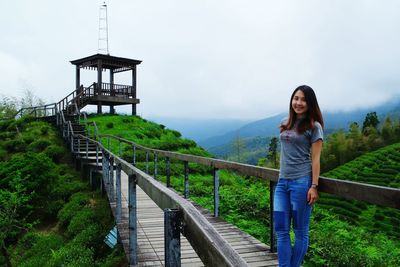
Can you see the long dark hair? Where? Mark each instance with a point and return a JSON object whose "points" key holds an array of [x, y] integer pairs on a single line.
{"points": [[312, 115]]}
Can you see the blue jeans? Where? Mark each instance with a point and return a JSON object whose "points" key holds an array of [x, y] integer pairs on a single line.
{"points": [[290, 205]]}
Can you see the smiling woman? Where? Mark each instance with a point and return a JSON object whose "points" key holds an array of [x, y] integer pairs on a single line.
{"points": [[296, 191]]}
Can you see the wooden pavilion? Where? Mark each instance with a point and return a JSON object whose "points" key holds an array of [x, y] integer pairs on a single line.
{"points": [[109, 94]]}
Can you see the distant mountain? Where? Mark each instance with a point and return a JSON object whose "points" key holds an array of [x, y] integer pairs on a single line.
{"points": [[200, 129], [263, 128], [269, 126]]}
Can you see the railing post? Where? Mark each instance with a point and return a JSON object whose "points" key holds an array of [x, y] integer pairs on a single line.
{"points": [[97, 154], [186, 173], [107, 172], [103, 168], [216, 192], [120, 148], [72, 144], [155, 166], [168, 172], [132, 219], [119, 194], [147, 162], [271, 216], [87, 149], [111, 187], [134, 156], [172, 238]]}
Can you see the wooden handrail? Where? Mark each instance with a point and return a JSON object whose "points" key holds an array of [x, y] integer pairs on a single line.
{"points": [[210, 246], [379, 195]]}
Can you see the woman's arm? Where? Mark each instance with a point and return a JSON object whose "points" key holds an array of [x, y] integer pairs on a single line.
{"points": [[316, 148]]}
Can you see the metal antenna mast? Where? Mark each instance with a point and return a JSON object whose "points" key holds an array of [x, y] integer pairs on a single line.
{"points": [[103, 30]]}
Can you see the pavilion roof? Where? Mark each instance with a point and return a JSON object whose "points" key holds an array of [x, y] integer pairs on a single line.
{"points": [[117, 64]]}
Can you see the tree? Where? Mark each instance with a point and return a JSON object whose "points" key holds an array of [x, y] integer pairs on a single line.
{"points": [[239, 146], [273, 152], [29, 100], [388, 131], [356, 146], [12, 222], [8, 107], [371, 121]]}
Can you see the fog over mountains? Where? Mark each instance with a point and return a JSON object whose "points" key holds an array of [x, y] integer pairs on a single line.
{"points": [[211, 133]]}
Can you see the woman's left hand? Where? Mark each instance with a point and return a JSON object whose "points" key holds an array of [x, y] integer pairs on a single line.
{"points": [[312, 196]]}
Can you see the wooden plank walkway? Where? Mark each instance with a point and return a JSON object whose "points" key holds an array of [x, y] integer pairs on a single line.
{"points": [[151, 234]]}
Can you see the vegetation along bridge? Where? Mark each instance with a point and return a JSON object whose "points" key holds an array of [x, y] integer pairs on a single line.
{"points": [[151, 217]]}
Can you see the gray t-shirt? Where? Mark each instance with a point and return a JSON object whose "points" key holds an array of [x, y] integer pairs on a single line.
{"points": [[296, 150]]}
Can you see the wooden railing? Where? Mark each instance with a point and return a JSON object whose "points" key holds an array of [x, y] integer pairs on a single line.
{"points": [[119, 90], [38, 111], [379, 195], [206, 241], [209, 245]]}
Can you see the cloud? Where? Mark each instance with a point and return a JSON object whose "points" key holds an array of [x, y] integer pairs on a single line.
{"points": [[220, 59]]}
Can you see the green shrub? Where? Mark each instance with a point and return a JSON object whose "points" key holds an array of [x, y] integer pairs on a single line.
{"points": [[73, 255], [90, 236], [36, 171], [45, 130], [16, 145], [35, 249], [176, 133], [56, 153], [80, 221], [65, 186], [39, 145], [78, 202], [110, 125]]}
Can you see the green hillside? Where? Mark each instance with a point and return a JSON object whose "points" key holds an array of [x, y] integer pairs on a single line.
{"points": [[245, 200], [48, 215], [381, 167]]}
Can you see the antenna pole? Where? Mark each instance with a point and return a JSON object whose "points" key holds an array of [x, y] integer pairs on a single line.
{"points": [[103, 30]]}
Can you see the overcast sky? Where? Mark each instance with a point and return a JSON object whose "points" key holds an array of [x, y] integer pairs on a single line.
{"points": [[207, 58]]}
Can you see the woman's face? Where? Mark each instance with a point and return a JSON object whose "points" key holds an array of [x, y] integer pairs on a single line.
{"points": [[299, 103]]}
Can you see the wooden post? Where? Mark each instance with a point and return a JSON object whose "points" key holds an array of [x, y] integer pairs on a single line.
{"points": [[78, 77], [120, 149], [87, 150], [155, 166], [168, 172], [103, 166], [97, 154], [216, 192], [112, 91], [186, 172], [111, 187], [132, 220], [172, 238], [271, 216], [119, 194], [133, 92], [134, 156], [147, 162]]}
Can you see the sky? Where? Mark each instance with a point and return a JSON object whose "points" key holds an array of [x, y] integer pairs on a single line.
{"points": [[225, 59]]}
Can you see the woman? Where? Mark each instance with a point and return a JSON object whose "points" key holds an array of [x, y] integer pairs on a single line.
{"points": [[301, 143]]}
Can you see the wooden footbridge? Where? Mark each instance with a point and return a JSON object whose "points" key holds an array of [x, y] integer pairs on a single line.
{"points": [[159, 227], [156, 225]]}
